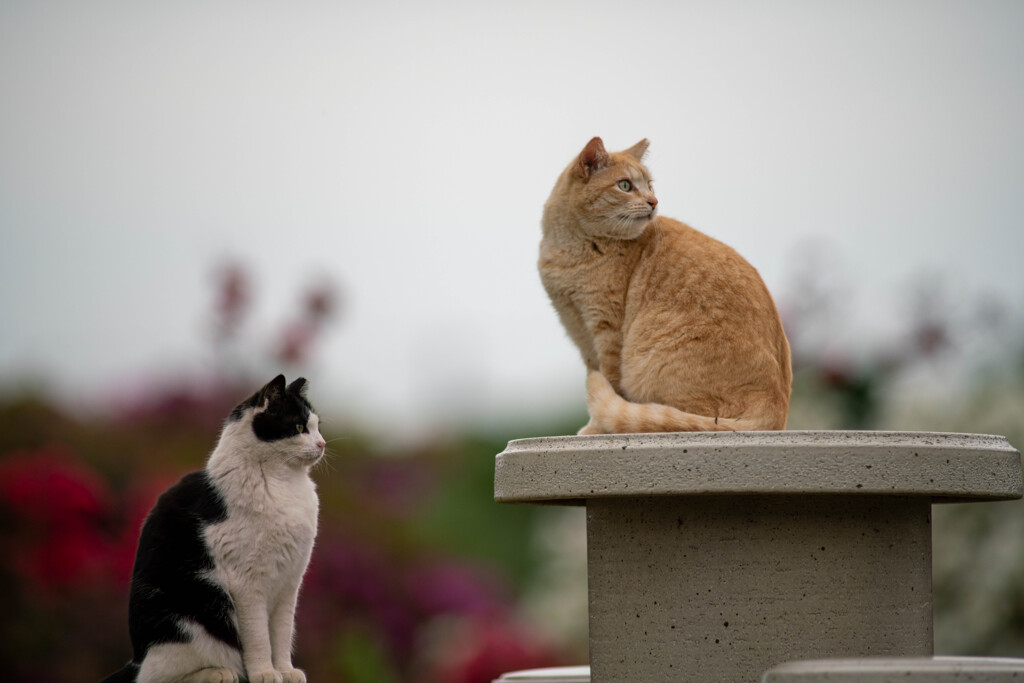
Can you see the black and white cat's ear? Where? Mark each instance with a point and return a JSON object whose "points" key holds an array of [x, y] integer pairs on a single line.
{"points": [[593, 158], [298, 386], [274, 387], [638, 150]]}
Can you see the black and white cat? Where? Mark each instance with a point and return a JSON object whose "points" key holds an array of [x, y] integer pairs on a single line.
{"points": [[222, 554]]}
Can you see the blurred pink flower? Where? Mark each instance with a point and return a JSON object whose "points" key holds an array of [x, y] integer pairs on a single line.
{"points": [[300, 335], [233, 297]]}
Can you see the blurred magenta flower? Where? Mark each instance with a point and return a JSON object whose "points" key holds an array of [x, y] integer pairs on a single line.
{"points": [[234, 294], [451, 587], [300, 334]]}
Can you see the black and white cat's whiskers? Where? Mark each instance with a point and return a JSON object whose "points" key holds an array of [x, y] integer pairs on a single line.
{"points": [[325, 461], [222, 555]]}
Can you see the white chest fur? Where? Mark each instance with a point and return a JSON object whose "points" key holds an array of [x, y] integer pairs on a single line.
{"points": [[265, 543]]}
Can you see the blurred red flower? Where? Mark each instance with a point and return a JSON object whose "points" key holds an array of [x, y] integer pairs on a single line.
{"points": [[480, 650], [57, 512]]}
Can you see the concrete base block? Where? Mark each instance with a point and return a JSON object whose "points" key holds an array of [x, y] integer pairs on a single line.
{"points": [[900, 670], [564, 674]]}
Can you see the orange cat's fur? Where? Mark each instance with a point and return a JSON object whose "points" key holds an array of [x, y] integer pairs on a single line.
{"points": [[677, 331]]}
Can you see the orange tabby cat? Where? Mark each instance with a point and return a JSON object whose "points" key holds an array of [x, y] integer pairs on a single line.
{"points": [[677, 331]]}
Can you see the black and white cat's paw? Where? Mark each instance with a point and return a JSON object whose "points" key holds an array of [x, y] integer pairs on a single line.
{"points": [[266, 677], [289, 676], [213, 675]]}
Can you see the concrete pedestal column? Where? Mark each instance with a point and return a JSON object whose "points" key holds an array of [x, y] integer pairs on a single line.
{"points": [[684, 588], [716, 556]]}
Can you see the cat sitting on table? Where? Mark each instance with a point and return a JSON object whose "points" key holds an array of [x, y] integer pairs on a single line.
{"points": [[677, 331]]}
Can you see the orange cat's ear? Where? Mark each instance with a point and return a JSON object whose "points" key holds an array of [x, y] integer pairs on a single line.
{"points": [[638, 150], [593, 158]]}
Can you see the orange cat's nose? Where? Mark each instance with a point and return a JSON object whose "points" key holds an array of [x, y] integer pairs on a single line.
{"points": [[653, 201]]}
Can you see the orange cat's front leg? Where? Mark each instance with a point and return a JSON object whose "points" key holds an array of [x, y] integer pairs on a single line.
{"points": [[606, 341], [610, 366], [608, 345]]}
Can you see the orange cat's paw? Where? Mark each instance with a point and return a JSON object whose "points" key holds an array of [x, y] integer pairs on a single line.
{"points": [[590, 428]]}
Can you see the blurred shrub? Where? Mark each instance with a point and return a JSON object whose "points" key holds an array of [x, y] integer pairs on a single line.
{"points": [[417, 575]]}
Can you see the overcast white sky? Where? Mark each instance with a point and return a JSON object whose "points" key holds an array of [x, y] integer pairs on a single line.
{"points": [[405, 150]]}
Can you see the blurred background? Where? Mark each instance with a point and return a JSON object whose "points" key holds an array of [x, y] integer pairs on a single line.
{"points": [[196, 196]]}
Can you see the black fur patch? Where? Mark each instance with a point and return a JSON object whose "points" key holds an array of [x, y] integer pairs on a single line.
{"points": [[167, 580], [280, 419], [287, 409], [248, 404]]}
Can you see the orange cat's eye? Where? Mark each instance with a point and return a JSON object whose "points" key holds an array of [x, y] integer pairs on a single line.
{"points": [[625, 185]]}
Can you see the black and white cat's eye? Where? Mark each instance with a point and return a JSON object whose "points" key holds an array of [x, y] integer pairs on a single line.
{"points": [[300, 428]]}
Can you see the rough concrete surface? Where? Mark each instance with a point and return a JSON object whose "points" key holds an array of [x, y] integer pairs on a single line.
{"points": [[722, 588]]}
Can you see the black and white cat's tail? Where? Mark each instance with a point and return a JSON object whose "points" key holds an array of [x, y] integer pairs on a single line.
{"points": [[128, 674]]}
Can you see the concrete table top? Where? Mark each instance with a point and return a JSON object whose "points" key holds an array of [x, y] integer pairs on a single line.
{"points": [[942, 466]]}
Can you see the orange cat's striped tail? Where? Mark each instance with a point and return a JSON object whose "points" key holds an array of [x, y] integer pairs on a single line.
{"points": [[612, 414]]}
